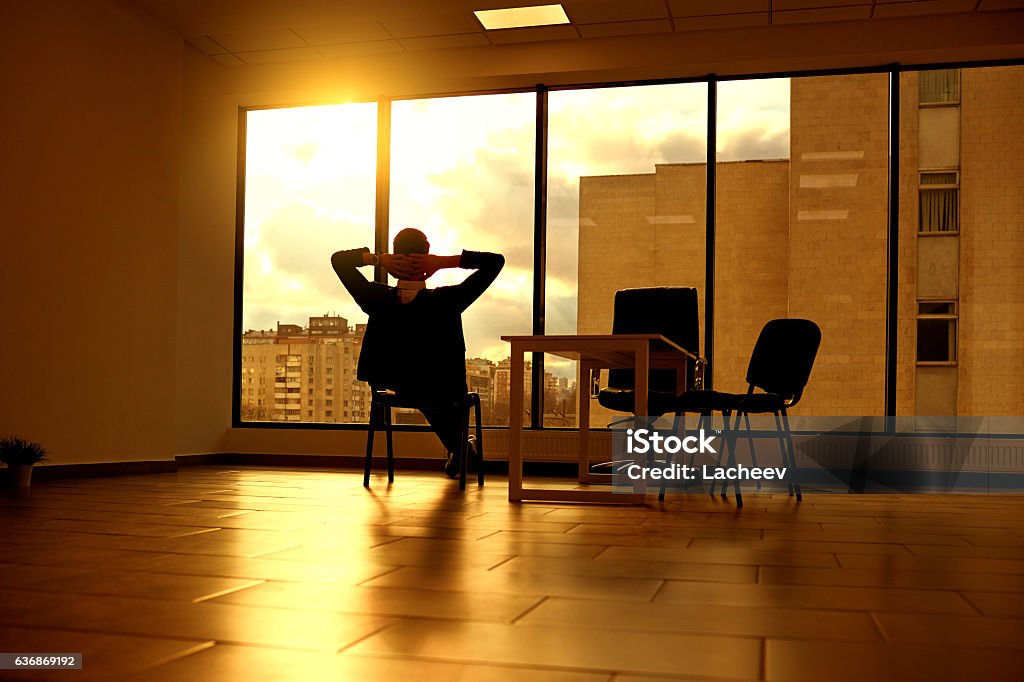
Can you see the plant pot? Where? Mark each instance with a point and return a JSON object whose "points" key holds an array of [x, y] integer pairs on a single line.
{"points": [[21, 475]]}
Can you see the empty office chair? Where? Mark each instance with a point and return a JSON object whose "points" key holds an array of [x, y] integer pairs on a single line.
{"points": [[671, 312], [779, 369], [384, 401]]}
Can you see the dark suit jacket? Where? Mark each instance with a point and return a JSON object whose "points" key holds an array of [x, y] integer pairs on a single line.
{"points": [[416, 349]]}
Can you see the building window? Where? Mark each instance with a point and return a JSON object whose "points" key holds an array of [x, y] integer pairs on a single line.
{"points": [[309, 403], [939, 202], [329, 391], [941, 86], [330, 370], [936, 332], [330, 403], [329, 413]]}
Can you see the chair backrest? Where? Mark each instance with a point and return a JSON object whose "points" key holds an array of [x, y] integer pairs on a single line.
{"points": [[783, 357], [669, 311]]}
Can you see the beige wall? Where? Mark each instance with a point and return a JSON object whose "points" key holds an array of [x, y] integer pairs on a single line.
{"points": [[205, 244], [89, 209]]}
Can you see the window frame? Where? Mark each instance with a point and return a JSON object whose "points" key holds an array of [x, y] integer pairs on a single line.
{"points": [[953, 317], [922, 188], [955, 102]]}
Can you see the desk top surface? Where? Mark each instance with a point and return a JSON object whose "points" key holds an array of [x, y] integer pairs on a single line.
{"points": [[574, 346]]}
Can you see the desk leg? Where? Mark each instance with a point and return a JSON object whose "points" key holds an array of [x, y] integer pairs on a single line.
{"points": [[641, 372], [583, 413], [515, 425]]}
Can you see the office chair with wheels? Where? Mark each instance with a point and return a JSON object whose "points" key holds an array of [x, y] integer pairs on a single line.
{"points": [[671, 312]]}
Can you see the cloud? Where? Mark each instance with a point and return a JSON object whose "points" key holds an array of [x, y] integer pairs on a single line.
{"points": [[747, 145], [288, 274]]}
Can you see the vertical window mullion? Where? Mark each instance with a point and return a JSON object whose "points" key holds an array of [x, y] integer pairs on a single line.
{"points": [[383, 198], [540, 218], [709, 232], [892, 244]]}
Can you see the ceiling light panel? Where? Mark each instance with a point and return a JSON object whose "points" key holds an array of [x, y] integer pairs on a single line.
{"points": [[518, 17]]}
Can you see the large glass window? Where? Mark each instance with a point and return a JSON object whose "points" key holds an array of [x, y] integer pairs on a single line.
{"points": [[801, 222], [310, 174], [462, 170], [752, 220], [626, 193], [801, 230], [961, 284]]}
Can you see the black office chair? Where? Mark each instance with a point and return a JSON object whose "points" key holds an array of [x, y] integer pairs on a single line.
{"points": [[671, 312], [780, 367], [381, 404]]}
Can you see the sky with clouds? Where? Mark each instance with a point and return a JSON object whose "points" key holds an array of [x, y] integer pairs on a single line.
{"points": [[462, 171]]}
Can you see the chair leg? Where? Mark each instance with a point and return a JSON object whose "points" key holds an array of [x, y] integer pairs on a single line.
{"points": [[371, 427], [718, 463], [792, 452], [750, 440], [702, 422], [391, 447], [783, 449], [730, 439], [679, 419], [479, 445], [464, 441]]}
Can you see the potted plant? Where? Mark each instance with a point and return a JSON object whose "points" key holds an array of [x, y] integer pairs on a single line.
{"points": [[19, 455]]}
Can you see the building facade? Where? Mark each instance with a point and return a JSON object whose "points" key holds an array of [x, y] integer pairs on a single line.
{"points": [[304, 374]]}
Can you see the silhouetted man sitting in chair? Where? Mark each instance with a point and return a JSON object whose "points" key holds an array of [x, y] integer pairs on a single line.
{"points": [[414, 343]]}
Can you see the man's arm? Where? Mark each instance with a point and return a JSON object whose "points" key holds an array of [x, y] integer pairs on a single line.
{"points": [[346, 264], [487, 266]]}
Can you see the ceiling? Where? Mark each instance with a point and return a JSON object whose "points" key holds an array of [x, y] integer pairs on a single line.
{"points": [[238, 32]]}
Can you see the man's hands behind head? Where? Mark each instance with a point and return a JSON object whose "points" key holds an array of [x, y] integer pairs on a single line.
{"points": [[399, 266], [414, 266], [425, 264]]}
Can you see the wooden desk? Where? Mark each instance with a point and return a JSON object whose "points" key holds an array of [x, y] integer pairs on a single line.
{"points": [[640, 352]]}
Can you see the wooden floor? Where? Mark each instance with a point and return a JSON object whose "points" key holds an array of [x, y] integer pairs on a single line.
{"points": [[219, 573]]}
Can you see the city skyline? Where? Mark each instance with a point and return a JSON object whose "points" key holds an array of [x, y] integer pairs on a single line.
{"points": [[307, 373]]}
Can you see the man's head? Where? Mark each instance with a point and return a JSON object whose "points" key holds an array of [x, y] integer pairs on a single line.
{"points": [[410, 240]]}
